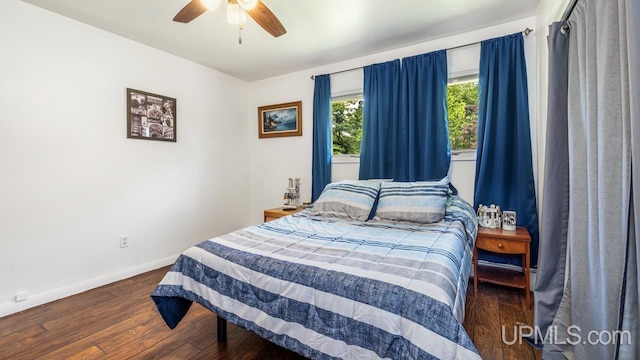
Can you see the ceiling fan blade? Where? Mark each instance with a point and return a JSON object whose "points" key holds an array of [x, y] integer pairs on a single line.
{"points": [[265, 18], [193, 9]]}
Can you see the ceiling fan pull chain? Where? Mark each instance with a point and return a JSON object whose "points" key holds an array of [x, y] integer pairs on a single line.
{"points": [[240, 25]]}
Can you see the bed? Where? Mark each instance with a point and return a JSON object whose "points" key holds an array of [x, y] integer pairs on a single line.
{"points": [[364, 275]]}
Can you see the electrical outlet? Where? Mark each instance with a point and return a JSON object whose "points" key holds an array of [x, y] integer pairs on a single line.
{"points": [[124, 241], [21, 296]]}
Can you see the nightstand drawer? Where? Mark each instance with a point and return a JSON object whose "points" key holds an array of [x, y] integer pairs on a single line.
{"points": [[501, 246], [503, 242]]}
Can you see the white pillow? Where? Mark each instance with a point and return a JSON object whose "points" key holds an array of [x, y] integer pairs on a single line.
{"points": [[420, 202], [347, 199]]}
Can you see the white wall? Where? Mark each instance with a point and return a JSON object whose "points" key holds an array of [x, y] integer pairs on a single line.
{"points": [[276, 159], [72, 182]]}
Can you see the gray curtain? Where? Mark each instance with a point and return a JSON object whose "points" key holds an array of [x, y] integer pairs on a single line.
{"points": [[554, 214], [631, 288], [601, 290]]}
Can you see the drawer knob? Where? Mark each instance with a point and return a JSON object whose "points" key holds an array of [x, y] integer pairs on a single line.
{"points": [[500, 246]]}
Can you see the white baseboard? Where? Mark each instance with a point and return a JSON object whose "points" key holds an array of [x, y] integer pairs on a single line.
{"points": [[72, 289]]}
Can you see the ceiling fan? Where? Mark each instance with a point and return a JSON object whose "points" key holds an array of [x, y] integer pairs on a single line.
{"points": [[258, 11]]}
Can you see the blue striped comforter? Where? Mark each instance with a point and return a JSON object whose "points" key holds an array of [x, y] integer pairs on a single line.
{"points": [[331, 289]]}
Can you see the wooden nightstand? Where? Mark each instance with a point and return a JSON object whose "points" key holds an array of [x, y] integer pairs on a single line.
{"points": [[504, 242], [276, 213]]}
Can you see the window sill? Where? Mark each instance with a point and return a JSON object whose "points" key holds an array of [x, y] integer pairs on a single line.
{"points": [[345, 159], [456, 155], [463, 155]]}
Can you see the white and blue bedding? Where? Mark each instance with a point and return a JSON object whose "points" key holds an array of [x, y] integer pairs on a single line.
{"points": [[331, 288]]}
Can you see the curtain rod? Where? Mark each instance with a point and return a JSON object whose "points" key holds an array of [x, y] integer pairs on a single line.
{"points": [[526, 32], [572, 5]]}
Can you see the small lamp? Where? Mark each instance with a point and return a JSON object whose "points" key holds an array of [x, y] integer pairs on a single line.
{"points": [[248, 4], [211, 4], [235, 15]]}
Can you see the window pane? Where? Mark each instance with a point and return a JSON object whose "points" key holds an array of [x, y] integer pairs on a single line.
{"points": [[346, 125], [462, 100]]}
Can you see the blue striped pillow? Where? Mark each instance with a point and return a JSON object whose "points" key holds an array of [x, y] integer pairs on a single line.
{"points": [[347, 199], [420, 202]]}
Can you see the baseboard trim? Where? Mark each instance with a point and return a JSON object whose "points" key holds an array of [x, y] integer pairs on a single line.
{"points": [[82, 286]]}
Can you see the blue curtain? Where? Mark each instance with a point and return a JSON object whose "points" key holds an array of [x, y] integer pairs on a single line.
{"points": [[405, 133], [504, 171], [380, 120], [321, 163], [424, 125]]}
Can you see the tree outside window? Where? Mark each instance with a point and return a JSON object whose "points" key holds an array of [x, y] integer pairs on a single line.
{"points": [[346, 125], [462, 101]]}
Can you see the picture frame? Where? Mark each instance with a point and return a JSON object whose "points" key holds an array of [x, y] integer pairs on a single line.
{"points": [[280, 120], [150, 116]]}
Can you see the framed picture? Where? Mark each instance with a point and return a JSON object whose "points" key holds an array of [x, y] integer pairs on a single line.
{"points": [[150, 116], [280, 120]]}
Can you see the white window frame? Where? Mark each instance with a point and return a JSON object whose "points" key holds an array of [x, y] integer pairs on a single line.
{"points": [[345, 158], [467, 76]]}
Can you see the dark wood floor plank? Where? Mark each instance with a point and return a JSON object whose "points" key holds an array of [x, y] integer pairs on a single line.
{"points": [[122, 288], [469, 315], [120, 321], [88, 314], [155, 339], [93, 338], [269, 350], [528, 315], [186, 351], [221, 350], [151, 278], [93, 352], [256, 348], [19, 335], [487, 324], [238, 344], [39, 314], [146, 334], [92, 320], [172, 348], [208, 328], [512, 321]]}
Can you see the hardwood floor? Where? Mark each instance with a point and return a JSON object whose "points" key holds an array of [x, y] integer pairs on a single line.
{"points": [[119, 321]]}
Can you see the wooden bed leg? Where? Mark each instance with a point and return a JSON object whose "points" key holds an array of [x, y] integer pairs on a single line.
{"points": [[222, 329]]}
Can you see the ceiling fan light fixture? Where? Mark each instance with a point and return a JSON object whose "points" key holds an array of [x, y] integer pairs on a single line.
{"points": [[211, 4], [235, 15], [248, 4]]}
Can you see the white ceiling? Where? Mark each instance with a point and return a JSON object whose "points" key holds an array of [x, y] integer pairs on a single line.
{"points": [[319, 32]]}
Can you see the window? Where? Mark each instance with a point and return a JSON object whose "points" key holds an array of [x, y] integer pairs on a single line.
{"points": [[346, 124], [462, 101]]}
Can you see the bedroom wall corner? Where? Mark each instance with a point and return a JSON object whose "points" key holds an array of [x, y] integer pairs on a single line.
{"points": [[72, 182]]}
